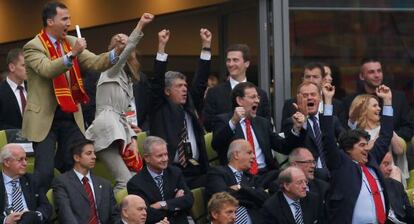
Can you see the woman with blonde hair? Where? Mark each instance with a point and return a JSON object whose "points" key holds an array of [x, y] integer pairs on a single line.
{"points": [[365, 114]]}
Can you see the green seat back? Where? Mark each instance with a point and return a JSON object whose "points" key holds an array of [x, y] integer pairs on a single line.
{"points": [[410, 195], [121, 194], [410, 181], [198, 211], [140, 140], [101, 170], [3, 138], [211, 154], [49, 196]]}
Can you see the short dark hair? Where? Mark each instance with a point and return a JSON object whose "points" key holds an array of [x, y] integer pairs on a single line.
{"points": [[78, 145], [313, 65], [242, 48], [13, 55], [349, 138], [49, 11], [238, 91], [370, 58]]}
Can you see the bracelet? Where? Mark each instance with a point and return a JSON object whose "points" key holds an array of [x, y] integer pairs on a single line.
{"points": [[206, 49]]}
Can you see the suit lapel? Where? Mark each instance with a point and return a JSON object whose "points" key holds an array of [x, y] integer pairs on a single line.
{"points": [[97, 187], [152, 186], [3, 195], [230, 173], [306, 210], [77, 184], [13, 99], [286, 208], [25, 185]]}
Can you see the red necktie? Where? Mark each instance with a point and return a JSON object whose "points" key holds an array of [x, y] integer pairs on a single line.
{"points": [[254, 169], [93, 218], [376, 194], [22, 97]]}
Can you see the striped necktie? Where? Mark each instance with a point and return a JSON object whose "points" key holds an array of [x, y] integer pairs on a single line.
{"points": [[298, 213], [93, 215], [242, 216], [17, 199], [158, 180]]}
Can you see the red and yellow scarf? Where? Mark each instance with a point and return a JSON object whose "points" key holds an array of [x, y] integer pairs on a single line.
{"points": [[67, 97]]}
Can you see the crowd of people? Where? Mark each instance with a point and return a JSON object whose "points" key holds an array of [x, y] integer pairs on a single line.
{"points": [[346, 161]]}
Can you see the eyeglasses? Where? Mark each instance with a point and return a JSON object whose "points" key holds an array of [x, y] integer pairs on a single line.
{"points": [[253, 97], [313, 162]]}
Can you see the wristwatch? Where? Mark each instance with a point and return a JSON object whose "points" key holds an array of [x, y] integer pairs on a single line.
{"points": [[70, 55], [163, 205]]}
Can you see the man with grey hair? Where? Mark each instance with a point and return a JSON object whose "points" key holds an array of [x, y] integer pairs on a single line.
{"points": [[161, 186], [175, 107], [134, 211], [236, 179], [292, 203], [22, 201]]}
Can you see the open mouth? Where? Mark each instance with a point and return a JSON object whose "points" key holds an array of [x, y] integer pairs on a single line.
{"points": [[254, 108], [311, 104]]}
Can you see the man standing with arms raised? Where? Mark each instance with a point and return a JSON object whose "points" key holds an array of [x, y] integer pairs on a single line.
{"points": [[53, 116]]}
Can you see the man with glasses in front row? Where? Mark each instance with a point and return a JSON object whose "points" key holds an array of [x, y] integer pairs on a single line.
{"points": [[21, 200]]}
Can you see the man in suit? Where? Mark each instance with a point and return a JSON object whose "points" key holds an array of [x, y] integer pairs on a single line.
{"points": [[357, 193], [400, 207], [218, 99], [81, 197], [134, 211], [313, 72], [309, 97], [161, 186], [22, 201], [53, 115], [244, 123], [371, 76], [222, 208], [292, 204], [174, 111], [236, 179], [13, 92]]}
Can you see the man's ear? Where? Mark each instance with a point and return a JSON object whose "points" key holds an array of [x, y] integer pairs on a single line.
{"points": [[247, 64], [167, 91], [361, 77], [12, 67], [76, 158], [49, 22], [239, 101]]}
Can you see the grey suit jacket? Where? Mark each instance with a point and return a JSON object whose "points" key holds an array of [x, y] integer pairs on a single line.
{"points": [[72, 204]]}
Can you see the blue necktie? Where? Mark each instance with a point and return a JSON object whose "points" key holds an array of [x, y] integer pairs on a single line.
{"points": [[242, 216], [158, 180], [298, 213], [17, 200]]}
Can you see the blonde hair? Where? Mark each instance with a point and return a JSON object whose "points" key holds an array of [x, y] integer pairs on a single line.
{"points": [[359, 108]]}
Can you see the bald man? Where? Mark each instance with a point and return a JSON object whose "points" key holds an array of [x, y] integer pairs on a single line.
{"points": [[22, 202], [134, 211]]}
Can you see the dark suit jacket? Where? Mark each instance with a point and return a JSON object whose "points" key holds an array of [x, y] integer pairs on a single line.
{"points": [[346, 175], [142, 90], [403, 116], [399, 201], [35, 199], [276, 210], [310, 141], [268, 140], [289, 110], [218, 101], [72, 204], [167, 118], [251, 195], [144, 186], [10, 115]]}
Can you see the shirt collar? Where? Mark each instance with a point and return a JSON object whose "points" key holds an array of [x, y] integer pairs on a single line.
{"points": [[13, 85], [52, 39], [153, 174], [6, 178], [80, 176], [288, 199], [234, 170], [234, 82]]}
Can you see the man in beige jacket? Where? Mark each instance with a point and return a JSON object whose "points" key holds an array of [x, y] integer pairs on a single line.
{"points": [[53, 116]]}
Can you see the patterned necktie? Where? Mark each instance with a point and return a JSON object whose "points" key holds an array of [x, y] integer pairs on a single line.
{"points": [[17, 199], [298, 213], [159, 181], [241, 212], [318, 138], [254, 169], [376, 194], [93, 217], [181, 150], [22, 97]]}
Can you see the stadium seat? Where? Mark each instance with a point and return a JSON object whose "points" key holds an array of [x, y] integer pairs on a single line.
{"points": [[49, 196], [140, 140], [198, 211], [121, 194], [410, 195], [410, 180], [211, 154], [102, 171]]}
